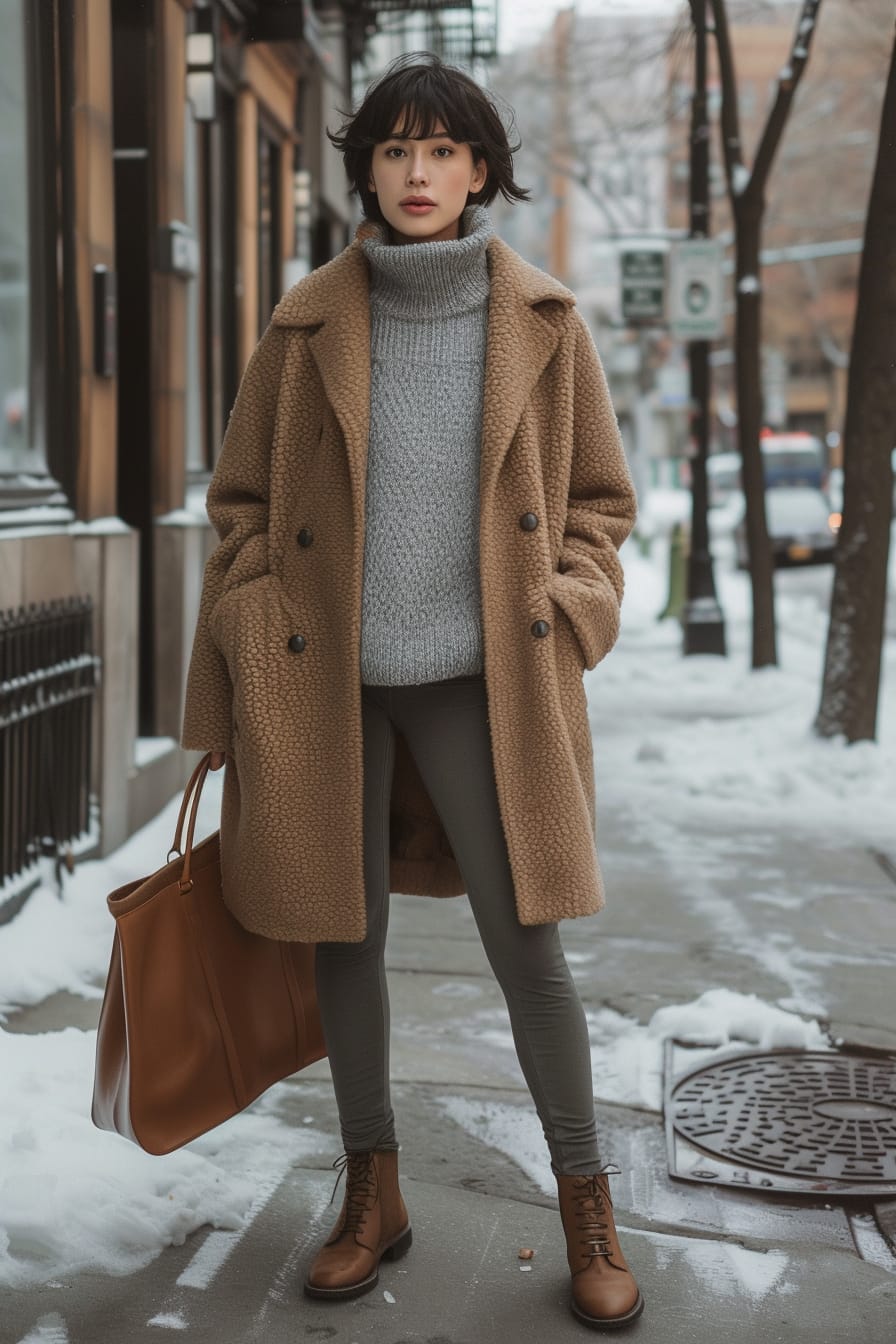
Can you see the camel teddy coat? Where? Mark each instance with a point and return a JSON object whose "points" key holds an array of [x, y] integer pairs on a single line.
{"points": [[274, 676]]}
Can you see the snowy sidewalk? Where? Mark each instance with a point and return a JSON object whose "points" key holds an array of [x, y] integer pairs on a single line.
{"points": [[746, 908]]}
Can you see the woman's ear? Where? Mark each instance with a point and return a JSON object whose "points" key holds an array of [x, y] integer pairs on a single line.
{"points": [[480, 176]]}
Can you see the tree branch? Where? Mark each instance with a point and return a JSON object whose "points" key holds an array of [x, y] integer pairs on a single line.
{"points": [[788, 80], [732, 148]]}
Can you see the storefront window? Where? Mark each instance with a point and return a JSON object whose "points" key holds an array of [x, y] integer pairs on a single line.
{"points": [[17, 454]]}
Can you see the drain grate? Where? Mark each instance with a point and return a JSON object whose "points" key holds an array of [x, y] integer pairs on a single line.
{"points": [[806, 1121]]}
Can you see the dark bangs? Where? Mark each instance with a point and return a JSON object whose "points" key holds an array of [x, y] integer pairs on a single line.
{"points": [[417, 92]]}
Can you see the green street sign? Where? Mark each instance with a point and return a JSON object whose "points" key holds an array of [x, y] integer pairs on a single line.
{"points": [[643, 278]]}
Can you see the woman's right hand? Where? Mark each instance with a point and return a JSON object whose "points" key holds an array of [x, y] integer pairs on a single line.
{"points": [[217, 760]]}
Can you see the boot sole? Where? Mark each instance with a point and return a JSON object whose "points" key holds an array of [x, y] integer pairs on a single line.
{"points": [[608, 1322], [394, 1251]]}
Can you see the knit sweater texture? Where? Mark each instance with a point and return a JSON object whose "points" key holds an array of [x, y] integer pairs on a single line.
{"points": [[421, 603]]}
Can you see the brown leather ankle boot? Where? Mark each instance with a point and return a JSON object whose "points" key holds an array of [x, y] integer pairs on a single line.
{"points": [[373, 1224], [604, 1292]]}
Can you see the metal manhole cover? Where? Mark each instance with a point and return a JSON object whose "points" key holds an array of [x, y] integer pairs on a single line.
{"points": [[794, 1120]]}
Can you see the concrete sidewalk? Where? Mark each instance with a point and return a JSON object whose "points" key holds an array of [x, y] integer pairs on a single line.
{"points": [[749, 912]]}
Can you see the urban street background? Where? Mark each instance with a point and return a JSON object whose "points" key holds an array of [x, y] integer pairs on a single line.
{"points": [[168, 177]]}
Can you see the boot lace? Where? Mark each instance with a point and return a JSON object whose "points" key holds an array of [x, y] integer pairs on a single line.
{"points": [[360, 1187], [592, 1213]]}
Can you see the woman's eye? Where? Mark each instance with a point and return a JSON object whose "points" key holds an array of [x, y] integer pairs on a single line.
{"points": [[392, 150], [445, 150]]}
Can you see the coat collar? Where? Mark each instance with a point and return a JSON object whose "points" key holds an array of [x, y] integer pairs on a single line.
{"points": [[320, 296], [333, 301]]}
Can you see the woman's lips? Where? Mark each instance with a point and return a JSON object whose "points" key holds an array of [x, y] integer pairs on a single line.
{"points": [[415, 208]]}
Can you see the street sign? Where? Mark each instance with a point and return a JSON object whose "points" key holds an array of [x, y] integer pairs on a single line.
{"points": [[696, 290], [643, 277]]}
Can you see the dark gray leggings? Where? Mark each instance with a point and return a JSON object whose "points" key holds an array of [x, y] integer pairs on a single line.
{"points": [[445, 725]]}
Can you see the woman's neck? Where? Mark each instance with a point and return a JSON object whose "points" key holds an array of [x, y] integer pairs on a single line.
{"points": [[429, 278]]}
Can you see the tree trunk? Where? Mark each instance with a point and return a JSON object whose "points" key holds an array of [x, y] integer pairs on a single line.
{"points": [[749, 212], [746, 191], [855, 635]]}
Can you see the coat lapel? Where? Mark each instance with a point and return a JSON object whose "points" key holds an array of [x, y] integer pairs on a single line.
{"points": [[521, 341], [332, 303], [341, 350]]}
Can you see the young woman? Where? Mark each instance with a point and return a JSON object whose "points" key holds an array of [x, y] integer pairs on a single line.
{"points": [[419, 499]]}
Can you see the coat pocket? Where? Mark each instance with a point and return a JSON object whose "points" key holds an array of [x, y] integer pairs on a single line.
{"points": [[567, 643], [255, 626], [252, 625], [593, 620]]}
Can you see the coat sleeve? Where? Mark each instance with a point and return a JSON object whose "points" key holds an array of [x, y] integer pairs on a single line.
{"points": [[237, 504], [601, 509]]}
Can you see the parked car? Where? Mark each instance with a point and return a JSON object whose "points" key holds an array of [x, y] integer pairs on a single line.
{"points": [[801, 527], [788, 461], [793, 459]]}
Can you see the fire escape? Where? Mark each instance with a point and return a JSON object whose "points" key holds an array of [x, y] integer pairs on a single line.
{"points": [[462, 33]]}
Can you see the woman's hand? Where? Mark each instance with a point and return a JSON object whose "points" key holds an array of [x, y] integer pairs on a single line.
{"points": [[217, 760]]}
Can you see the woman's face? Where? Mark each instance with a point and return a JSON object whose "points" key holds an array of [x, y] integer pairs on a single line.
{"points": [[438, 171]]}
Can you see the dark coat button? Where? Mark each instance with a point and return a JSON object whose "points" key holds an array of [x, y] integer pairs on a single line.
{"points": [[529, 522], [296, 643], [540, 628], [305, 536]]}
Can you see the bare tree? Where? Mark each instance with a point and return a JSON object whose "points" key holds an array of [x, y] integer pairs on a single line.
{"points": [[746, 189], [609, 76], [851, 683]]}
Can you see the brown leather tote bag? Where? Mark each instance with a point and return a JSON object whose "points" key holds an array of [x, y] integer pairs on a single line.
{"points": [[199, 1015]]}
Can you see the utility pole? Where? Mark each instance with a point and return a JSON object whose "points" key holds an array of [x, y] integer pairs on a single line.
{"points": [[704, 624]]}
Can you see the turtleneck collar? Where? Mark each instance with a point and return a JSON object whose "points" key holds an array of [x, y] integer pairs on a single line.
{"points": [[427, 280]]}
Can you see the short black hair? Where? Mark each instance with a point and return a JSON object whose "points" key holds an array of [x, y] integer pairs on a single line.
{"points": [[422, 90]]}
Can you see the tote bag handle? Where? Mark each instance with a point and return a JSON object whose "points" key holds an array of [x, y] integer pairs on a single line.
{"points": [[192, 791]]}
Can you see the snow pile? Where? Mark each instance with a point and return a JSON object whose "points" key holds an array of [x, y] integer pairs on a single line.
{"points": [[50, 1329], [64, 944], [627, 1056], [703, 741], [720, 1017], [73, 1197]]}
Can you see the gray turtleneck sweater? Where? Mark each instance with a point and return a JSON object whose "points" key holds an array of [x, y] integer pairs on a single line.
{"points": [[421, 606]]}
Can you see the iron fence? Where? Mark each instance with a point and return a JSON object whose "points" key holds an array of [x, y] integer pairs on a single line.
{"points": [[48, 679]]}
